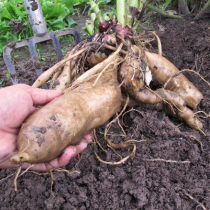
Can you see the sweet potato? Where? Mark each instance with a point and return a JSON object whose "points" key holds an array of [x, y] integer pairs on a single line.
{"points": [[163, 71], [132, 75], [67, 118]]}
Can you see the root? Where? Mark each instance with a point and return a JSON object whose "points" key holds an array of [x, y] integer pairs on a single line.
{"points": [[206, 115], [39, 174], [16, 176], [55, 76], [120, 145], [27, 169], [181, 110], [167, 161], [47, 74], [61, 169], [96, 140], [125, 145], [1, 180], [158, 41], [121, 128], [113, 48], [193, 138], [101, 74], [66, 171], [122, 160], [189, 70], [52, 178], [132, 109], [196, 201], [64, 78], [115, 151], [113, 58]]}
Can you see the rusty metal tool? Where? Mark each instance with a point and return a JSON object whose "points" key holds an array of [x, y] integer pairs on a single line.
{"points": [[39, 29]]}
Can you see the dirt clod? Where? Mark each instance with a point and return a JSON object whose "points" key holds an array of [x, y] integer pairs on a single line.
{"points": [[16, 25]]}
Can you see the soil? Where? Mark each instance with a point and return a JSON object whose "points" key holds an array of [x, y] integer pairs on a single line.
{"points": [[171, 170]]}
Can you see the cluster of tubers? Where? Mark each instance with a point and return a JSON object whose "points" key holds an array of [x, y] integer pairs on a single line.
{"points": [[94, 76]]}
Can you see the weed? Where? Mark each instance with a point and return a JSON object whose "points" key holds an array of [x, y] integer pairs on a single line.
{"points": [[13, 56], [8, 75], [53, 53], [41, 59], [63, 51]]}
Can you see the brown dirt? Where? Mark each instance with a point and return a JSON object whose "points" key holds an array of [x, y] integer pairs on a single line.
{"points": [[166, 169]]}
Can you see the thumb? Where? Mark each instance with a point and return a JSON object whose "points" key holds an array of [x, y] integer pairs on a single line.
{"points": [[41, 96]]}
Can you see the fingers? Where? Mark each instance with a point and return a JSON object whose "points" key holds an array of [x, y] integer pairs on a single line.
{"points": [[41, 96], [87, 138], [65, 157]]}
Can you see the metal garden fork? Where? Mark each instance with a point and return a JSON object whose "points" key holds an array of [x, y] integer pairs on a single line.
{"points": [[39, 29]]}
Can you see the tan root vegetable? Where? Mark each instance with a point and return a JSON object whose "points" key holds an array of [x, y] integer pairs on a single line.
{"points": [[64, 79], [47, 74], [175, 106], [67, 118], [95, 58], [132, 75], [163, 71]]}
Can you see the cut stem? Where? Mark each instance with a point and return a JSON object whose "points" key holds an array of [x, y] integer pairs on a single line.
{"points": [[121, 12]]}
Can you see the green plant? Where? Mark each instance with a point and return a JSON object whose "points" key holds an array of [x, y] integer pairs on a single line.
{"points": [[13, 56], [8, 75], [63, 51], [56, 14], [67, 38], [41, 59]]}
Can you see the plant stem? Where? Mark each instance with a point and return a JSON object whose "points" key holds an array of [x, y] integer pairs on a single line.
{"points": [[96, 9], [133, 3], [143, 8], [160, 11], [121, 12], [132, 8], [182, 4], [201, 13]]}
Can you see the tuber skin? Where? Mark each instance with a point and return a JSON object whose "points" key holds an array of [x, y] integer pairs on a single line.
{"points": [[163, 70], [64, 120], [131, 76], [95, 58]]}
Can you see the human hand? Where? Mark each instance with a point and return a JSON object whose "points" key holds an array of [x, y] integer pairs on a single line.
{"points": [[17, 103]]}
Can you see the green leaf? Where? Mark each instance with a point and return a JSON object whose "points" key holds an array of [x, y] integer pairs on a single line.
{"points": [[5, 14], [55, 24], [78, 2], [70, 21], [51, 10], [8, 75], [69, 6], [167, 3]]}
